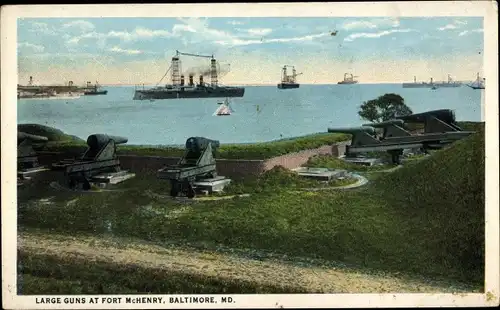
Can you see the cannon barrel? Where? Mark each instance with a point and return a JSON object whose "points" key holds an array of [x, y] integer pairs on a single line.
{"points": [[24, 136], [197, 144], [446, 115], [97, 141], [399, 122], [352, 130]]}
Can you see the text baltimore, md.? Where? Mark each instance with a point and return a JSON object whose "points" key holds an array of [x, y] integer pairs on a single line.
{"points": [[134, 300]]}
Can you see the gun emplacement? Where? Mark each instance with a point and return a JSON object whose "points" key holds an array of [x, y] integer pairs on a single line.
{"points": [[99, 158], [197, 163]]}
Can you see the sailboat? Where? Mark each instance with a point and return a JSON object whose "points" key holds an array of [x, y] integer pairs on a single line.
{"points": [[479, 83], [224, 109]]}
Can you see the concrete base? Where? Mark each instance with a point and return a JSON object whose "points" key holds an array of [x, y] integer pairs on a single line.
{"points": [[323, 174], [208, 186], [364, 161], [24, 174], [104, 179]]}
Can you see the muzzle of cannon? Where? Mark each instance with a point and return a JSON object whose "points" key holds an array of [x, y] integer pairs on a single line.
{"points": [[22, 136], [99, 163], [197, 163]]}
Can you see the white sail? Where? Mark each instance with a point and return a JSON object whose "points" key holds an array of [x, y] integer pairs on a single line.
{"points": [[223, 109]]}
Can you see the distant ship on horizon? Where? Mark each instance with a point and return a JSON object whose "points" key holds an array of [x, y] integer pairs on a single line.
{"points": [[348, 79], [479, 83], [431, 84], [288, 80]]}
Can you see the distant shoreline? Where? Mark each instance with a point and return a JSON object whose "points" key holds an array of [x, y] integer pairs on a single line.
{"points": [[258, 85]]}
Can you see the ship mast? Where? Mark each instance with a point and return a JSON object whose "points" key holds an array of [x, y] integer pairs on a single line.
{"points": [[289, 78]]}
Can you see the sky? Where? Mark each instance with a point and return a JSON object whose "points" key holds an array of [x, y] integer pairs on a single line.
{"points": [[139, 50]]}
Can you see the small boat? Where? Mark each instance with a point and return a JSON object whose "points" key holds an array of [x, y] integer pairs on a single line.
{"points": [[94, 90], [434, 87], [479, 83], [224, 109]]}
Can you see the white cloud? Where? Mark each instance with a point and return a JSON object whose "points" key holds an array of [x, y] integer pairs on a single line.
{"points": [[371, 24], [470, 31], [239, 42], [41, 28], [358, 35], [82, 25], [256, 32], [460, 22], [455, 25], [447, 27], [117, 49], [33, 47], [138, 33]]}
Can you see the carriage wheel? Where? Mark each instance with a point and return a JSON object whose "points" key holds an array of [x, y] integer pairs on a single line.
{"points": [[190, 191], [174, 189]]}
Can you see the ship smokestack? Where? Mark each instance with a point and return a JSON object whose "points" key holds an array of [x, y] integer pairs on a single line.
{"points": [[201, 79], [31, 80], [213, 72], [182, 80], [191, 82]]}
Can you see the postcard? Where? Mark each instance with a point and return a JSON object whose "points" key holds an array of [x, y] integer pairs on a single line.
{"points": [[250, 155]]}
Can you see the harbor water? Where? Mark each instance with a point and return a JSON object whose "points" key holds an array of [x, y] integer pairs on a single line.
{"points": [[265, 113]]}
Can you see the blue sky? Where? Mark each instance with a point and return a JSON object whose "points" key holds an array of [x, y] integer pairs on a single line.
{"points": [[138, 50]]}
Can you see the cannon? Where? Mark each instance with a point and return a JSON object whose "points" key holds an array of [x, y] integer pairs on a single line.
{"points": [[435, 121], [440, 129], [196, 167], [27, 159], [99, 163]]}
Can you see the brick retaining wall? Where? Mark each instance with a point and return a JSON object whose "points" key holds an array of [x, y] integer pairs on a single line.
{"points": [[233, 168]]}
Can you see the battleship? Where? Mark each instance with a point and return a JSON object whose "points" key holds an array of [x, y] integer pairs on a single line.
{"points": [[180, 90], [288, 80], [431, 84], [348, 79]]}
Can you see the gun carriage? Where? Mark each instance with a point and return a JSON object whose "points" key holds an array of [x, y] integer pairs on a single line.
{"points": [[439, 130], [27, 159], [197, 164], [99, 163]]}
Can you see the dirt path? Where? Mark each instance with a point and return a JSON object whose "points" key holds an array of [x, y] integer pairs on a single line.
{"points": [[310, 279]]}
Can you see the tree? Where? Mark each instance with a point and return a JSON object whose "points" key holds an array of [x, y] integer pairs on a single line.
{"points": [[386, 107]]}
